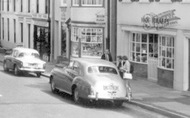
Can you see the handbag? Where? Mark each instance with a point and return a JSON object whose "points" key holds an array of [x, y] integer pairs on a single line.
{"points": [[127, 76]]}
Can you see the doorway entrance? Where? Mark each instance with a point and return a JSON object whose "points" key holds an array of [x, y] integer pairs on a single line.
{"points": [[41, 42], [153, 57]]}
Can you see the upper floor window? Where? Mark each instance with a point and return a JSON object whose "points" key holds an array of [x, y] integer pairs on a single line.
{"points": [[75, 2], [63, 2], [21, 5], [37, 6], [7, 5], [3, 5], [28, 6], [46, 6], [92, 2], [14, 5]]}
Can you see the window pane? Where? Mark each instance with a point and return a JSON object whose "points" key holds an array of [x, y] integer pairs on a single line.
{"points": [[144, 37], [138, 38], [138, 47]]}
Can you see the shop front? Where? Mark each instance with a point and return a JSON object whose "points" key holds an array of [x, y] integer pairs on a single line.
{"points": [[154, 38], [41, 42], [87, 41]]}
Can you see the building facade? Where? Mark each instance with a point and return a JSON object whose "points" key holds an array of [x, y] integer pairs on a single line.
{"points": [[25, 22], [88, 28], [155, 35]]}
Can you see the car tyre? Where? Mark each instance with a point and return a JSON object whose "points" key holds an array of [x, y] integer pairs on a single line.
{"points": [[5, 66], [118, 103], [16, 70], [38, 75], [53, 87], [76, 97]]}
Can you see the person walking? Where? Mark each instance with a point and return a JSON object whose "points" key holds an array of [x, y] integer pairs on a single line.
{"points": [[119, 65], [107, 56]]}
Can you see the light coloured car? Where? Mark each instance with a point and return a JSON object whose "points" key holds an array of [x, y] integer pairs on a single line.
{"points": [[91, 79], [24, 60]]}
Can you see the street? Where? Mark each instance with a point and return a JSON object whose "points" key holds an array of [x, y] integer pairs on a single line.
{"points": [[30, 97]]}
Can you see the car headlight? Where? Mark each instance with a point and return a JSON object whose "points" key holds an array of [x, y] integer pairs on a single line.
{"points": [[44, 66], [92, 91]]}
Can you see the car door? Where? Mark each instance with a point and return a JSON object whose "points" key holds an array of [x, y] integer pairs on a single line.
{"points": [[71, 74], [63, 76], [11, 58]]}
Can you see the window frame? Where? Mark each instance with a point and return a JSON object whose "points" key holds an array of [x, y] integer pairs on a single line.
{"points": [[80, 41], [166, 52], [91, 3]]}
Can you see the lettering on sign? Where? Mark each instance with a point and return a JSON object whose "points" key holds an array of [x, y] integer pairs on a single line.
{"points": [[159, 21]]}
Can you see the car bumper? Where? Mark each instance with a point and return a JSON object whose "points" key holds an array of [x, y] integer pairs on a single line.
{"points": [[128, 98], [32, 70]]}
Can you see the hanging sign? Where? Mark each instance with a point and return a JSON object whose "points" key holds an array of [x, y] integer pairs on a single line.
{"points": [[159, 21]]}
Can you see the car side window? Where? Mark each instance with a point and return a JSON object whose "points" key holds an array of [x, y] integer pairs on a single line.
{"points": [[76, 68], [15, 53]]}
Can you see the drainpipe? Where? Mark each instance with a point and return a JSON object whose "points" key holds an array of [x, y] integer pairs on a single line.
{"points": [[52, 30]]}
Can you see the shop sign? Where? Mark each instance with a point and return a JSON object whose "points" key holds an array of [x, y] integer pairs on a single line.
{"points": [[20, 19], [100, 17], [63, 14], [159, 21], [41, 23], [40, 16]]}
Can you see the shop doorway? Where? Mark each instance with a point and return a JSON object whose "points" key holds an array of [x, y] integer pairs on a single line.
{"points": [[153, 57], [41, 42]]}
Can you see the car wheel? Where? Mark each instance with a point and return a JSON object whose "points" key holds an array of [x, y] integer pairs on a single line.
{"points": [[76, 96], [38, 74], [5, 66], [53, 87], [16, 70], [118, 103]]}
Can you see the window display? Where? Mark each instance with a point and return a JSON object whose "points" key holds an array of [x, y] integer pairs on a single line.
{"points": [[166, 54], [87, 42]]}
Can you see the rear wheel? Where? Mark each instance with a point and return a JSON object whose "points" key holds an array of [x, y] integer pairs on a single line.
{"points": [[16, 70], [118, 103], [5, 66], [53, 87], [38, 74]]}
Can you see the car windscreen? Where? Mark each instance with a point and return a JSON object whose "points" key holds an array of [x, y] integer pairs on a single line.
{"points": [[23, 54], [102, 69]]}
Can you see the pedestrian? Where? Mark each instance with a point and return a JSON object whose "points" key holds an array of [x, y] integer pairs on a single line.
{"points": [[119, 65], [107, 55]]}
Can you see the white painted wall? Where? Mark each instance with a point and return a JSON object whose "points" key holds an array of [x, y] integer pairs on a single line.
{"points": [[129, 16]]}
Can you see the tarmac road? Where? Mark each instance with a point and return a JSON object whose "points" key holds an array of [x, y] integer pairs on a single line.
{"points": [[30, 97]]}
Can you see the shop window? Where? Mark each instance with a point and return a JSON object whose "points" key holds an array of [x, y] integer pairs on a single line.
{"points": [[92, 2], [166, 52], [87, 41], [139, 47], [144, 46]]}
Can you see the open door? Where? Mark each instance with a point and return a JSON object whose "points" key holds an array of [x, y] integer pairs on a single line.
{"points": [[153, 57]]}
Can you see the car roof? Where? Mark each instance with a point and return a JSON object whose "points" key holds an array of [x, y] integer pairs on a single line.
{"points": [[28, 50], [94, 62]]}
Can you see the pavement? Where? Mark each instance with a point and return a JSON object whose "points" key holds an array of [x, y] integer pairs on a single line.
{"points": [[151, 96]]}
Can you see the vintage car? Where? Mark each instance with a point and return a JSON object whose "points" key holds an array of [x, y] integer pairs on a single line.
{"points": [[24, 60], [92, 80]]}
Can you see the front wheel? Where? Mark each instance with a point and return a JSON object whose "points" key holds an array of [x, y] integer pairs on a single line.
{"points": [[5, 66]]}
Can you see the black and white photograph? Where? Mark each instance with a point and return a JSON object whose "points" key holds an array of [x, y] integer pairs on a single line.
{"points": [[94, 59]]}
